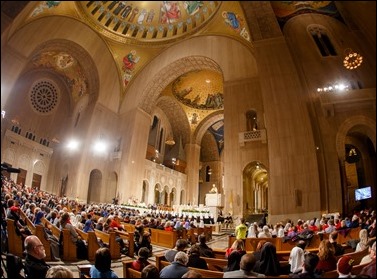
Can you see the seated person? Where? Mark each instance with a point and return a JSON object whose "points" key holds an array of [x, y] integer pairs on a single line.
{"points": [[268, 264], [339, 250], [35, 265], [81, 248], [180, 245], [59, 271], [204, 250], [144, 241], [142, 260], [308, 270], [150, 271], [246, 269], [102, 265], [177, 268], [372, 252], [194, 258], [344, 267]]}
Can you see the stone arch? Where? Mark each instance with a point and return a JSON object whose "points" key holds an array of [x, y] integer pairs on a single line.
{"points": [[81, 56], [255, 188], [95, 186], [205, 124], [80, 43], [351, 122], [157, 193], [173, 71], [39, 167], [193, 54]]}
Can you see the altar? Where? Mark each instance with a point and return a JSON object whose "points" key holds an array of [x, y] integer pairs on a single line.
{"points": [[214, 199], [214, 202]]}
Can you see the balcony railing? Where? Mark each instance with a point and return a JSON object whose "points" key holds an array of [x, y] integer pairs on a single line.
{"points": [[257, 135]]}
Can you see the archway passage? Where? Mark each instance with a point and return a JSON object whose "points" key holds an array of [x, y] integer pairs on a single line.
{"points": [[356, 147], [255, 191], [95, 185]]}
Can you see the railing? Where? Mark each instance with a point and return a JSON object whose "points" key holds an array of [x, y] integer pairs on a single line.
{"points": [[257, 135]]}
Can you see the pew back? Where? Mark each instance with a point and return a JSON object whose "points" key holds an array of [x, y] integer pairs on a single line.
{"points": [[15, 245]]}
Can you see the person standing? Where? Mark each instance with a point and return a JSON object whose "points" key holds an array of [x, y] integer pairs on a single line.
{"points": [[241, 230], [35, 265]]}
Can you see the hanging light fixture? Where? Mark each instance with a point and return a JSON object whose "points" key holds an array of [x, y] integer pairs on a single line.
{"points": [[352, 59], [170, 140]]}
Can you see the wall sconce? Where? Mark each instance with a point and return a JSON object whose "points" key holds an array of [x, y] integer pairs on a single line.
{"points": [[352, 60]]}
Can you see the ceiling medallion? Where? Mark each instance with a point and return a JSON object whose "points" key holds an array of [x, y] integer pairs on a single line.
{"points": [[352, 60]]}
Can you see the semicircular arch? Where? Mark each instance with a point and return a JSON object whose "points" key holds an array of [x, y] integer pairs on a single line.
{"points": [[350, 123], [197, 53]]}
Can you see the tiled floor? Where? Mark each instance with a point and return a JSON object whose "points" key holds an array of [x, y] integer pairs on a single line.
{"points": [[218, 241]]}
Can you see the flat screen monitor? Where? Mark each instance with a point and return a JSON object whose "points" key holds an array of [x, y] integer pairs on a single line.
{"points": [[363, 193]]}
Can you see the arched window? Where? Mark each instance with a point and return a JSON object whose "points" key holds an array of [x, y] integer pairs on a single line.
{"points": [[208, 173], [251, 120], [322, 40]]}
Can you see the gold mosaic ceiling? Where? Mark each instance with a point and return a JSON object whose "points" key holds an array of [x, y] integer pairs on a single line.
{"points": [[149, 20], [200, 93]]}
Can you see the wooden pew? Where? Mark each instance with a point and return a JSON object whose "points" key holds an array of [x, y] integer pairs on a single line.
{"points": [[348, 234], [69, 248], [161, 262], [55, 230], [84, 270], [219, 253], [38, 231], [356, 256], [158, 237], [109, 239], [164, 238], [128, 271], [281, 245], [15, 245], [284, 255], [91, 242], [216, 264], [356, 269], [129, 237], [208, 273]]}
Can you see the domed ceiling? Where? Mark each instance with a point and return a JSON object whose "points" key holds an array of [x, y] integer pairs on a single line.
{"points": [[200, 94], [149, 20]]}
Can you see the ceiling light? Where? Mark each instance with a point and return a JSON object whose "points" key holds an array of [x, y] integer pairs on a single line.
{"points": [[352, 60], [170, 140]]}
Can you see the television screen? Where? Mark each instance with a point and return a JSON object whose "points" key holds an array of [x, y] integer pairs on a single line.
{"points": [[363, 193]]}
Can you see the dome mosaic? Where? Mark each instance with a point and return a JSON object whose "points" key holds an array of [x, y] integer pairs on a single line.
{"points": [[148, 20]]}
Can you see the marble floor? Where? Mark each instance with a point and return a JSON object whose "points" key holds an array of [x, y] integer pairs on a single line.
{"points": [[219, 241]]}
